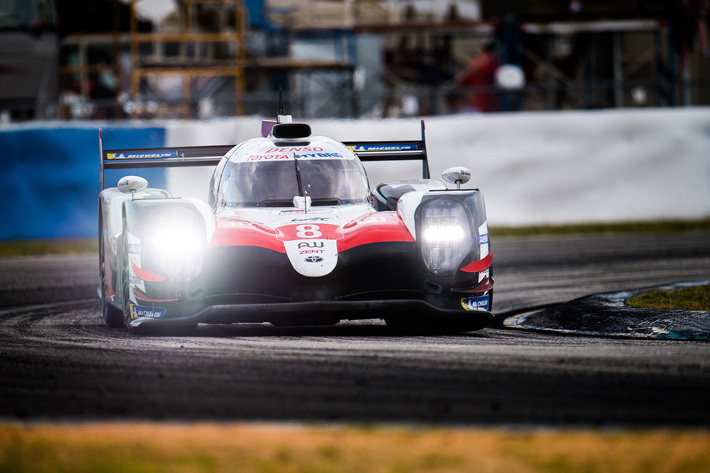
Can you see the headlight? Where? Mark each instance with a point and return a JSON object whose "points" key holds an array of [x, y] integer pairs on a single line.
{"points": [[176, 243], [446, 236]]}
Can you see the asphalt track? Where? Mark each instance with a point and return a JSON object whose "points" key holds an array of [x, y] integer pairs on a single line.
{"points": [[58, 361]]}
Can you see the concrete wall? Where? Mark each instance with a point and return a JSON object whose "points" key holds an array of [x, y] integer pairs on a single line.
{"points": [[533, 167]]}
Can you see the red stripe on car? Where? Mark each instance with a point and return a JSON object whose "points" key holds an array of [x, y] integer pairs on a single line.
{"points": [[146, 275], [242, 232], [480, 265], [374, 228]]}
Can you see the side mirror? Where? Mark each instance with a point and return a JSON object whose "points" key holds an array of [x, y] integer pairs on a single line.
{"points": [[456, 175], [132, 184]]}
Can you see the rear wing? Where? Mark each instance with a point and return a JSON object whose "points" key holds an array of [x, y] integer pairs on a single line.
{"points": [[184, 156], [160, 157], [393, 151]]}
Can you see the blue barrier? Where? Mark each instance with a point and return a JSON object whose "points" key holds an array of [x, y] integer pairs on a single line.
{"points": [[49, 184]]}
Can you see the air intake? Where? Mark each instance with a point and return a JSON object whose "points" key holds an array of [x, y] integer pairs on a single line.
{"points": [[291, 131]]}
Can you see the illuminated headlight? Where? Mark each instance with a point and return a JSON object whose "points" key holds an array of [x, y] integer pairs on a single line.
{"points": [[443, 233], [176, 244], [446, 236]]}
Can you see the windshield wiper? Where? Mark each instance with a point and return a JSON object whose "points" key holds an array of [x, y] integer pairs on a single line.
{"points": [[298, 175]]}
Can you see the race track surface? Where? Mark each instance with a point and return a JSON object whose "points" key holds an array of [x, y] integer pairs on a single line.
{"points": [[58, 360]]}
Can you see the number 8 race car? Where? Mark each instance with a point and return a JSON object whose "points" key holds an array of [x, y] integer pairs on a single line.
{"points": [[292, 235]]}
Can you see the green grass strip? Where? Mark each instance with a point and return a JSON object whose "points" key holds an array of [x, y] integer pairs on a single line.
{"points": [[292, 448], [667, 226], [48, 247], [689, 298], [90, 245]]}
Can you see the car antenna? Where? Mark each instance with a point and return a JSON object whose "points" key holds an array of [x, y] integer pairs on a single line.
{"points": [[281, 102], [282, 117]]}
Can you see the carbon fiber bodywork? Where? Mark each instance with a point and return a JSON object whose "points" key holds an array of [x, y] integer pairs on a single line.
{"points": [[252, 284]]}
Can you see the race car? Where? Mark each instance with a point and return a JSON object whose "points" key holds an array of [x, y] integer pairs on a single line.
{"points": [[292, 234]]}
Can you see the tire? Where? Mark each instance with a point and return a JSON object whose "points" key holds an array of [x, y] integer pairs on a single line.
{"points": [[126, 312], [113, 317]]}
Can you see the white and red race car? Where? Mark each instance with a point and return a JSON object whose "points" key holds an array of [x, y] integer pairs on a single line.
{"points": [[292, 234]]}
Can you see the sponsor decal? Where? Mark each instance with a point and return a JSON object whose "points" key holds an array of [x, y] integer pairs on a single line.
{"points": [[266, 157], [142, 312], [475, 302], [312, 219], [310, 252], [144, 155], [134, 249], [483, 239], [399, 147], [313, 259], [311, 244], [314, 149], [317, 155], [299, 211]]}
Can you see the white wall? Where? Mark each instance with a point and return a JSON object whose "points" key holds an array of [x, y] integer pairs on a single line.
{"points": [[538, 167]]}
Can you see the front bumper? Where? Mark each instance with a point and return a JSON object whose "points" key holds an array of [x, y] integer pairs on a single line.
{"points": [[255, 285], [322, 312]]}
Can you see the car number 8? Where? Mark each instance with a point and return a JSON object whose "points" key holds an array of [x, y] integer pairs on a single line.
{"points": [[308, 231]]}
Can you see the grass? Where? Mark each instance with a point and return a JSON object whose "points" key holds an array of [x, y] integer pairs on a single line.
{"points": [[90, 245], [48, 247], [270, 448], [689, 298], [667, 226]]}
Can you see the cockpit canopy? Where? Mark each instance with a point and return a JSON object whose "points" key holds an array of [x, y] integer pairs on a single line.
{"points": [[262, 174]]}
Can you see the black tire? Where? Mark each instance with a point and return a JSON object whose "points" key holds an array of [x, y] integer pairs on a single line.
{"points": [[126, 312], [113, 317]]}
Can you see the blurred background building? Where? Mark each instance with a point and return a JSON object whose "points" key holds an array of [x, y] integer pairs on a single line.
{"points": [[91, 59]]}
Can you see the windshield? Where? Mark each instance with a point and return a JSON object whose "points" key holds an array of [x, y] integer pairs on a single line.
{"points": [[265, 184]]}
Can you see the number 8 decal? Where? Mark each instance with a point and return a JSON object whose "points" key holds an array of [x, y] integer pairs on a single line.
{"points": [[308, 231]]}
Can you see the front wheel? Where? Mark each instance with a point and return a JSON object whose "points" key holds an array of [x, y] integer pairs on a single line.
{"points": [[113, 317]]}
